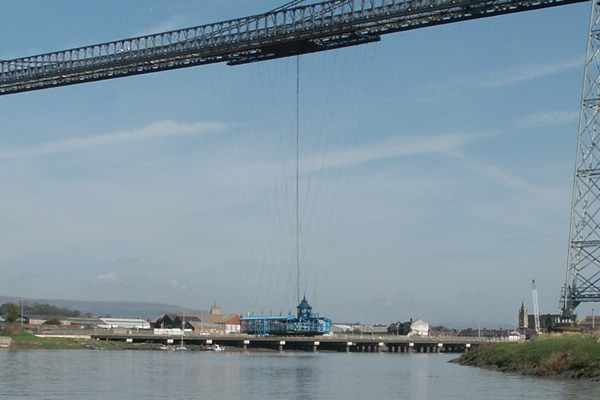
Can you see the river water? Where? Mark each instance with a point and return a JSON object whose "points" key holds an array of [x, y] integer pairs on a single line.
{"points": [[89, 374]]}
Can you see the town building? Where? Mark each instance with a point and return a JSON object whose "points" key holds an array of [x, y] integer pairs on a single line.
{"points": [[213, 323], [409, 328], [490, 334], [124, 323], [43, 319], [527, 326], [399, 328], [59, 322], [523, 319]]}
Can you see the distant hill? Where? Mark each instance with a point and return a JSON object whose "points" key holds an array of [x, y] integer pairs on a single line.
{"points": [[116, 309], [476, 325]]}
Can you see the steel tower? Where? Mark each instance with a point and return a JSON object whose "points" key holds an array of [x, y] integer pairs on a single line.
{"points": [[583, 265]]}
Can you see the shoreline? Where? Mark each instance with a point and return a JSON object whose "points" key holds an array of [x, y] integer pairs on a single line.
{"points": [[29, 341], [556, 356]]}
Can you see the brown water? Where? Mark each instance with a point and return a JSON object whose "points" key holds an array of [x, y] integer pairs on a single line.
{"points": [[89, 374]]}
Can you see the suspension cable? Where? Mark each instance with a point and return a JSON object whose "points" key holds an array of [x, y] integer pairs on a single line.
{"points": [[298, 176]]}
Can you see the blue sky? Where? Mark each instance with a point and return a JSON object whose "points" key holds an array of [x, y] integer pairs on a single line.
{"points": [[436, 169]]}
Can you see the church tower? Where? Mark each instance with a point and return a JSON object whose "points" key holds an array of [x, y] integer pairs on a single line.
{"points": [[215, 309], [523, 318]]}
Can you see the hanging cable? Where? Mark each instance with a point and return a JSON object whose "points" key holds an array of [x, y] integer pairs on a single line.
{"points": [[298, 176]]}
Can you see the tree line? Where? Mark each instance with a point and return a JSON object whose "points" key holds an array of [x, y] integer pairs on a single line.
{"points": [[11, 311]]}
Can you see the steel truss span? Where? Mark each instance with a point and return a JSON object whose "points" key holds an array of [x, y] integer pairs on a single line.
{"points": [[583, 268], [286, 31]]}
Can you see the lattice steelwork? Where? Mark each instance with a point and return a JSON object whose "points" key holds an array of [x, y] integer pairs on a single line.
{"points": [[583, 268], [283, 32]]}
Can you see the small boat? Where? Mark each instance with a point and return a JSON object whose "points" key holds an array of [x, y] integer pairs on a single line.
{"points": [[216, 347]]}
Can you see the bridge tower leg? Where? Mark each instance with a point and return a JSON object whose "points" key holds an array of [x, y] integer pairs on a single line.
{"points": [[582, 282]]}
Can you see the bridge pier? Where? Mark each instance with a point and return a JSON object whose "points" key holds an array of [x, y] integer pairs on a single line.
{"points": [[245, 343]]}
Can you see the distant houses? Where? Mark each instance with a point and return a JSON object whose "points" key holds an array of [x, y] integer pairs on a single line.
{"points": [[59, 322], [217, 323], [505, 334], [213, 323], [123, 323], [43, 320], [410, 328], [527, 326], [399, 328]]}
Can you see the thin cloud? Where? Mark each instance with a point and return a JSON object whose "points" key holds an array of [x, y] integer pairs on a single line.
{"points": [[527, 72], [507, 76], [498, 175], [107, 278], [450, 145], [154, 130], [397, 146], [547, 118]]}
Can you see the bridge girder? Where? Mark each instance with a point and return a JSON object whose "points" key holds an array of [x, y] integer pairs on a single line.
{"points": [[282, 32]]}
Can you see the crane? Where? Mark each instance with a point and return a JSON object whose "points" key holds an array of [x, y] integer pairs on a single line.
{"points": [[536, 309]]}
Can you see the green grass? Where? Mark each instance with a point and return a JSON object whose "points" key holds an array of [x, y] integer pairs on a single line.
{"points": [[570, 355], [25, 340], [28, 341]]}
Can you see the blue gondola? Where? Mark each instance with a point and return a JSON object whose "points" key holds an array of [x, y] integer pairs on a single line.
{"points": [[305, 323]]}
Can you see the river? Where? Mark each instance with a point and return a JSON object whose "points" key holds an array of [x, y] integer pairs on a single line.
{"points": [[89, 374]]}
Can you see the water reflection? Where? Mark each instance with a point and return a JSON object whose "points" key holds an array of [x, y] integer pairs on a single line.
{"points": [[191, 375]]}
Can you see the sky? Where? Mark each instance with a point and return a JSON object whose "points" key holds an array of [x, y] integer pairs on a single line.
{"points": [[435, 169]]}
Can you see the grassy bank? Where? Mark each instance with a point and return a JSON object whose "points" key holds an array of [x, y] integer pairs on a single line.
{"points": [[28, 341], [567, 355]]}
